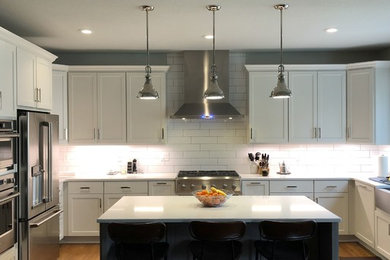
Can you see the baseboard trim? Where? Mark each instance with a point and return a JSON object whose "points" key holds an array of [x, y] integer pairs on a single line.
{"points": [[80, 240]]}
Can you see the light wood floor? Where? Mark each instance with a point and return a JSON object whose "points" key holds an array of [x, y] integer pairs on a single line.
{"points": [[91, 251]]}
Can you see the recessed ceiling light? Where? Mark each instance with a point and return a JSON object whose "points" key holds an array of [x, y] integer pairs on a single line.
{"points": [[85, 31], [331, 30], [208, 37]]}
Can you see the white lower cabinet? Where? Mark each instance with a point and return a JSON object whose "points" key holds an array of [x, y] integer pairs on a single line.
{"points": [[333, 195], [364, 212], [85, 205], [292, 188], [115, 190], [255, 187], [382, 233], [161, 188]]}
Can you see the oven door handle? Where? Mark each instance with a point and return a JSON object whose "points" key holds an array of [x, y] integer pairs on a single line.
{"points": [[10, 197], [9, 135], [37, 224]]}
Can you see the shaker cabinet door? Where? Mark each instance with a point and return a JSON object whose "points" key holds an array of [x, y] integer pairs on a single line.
{"points": [[267, 116], [82, 108], [7, 79]]}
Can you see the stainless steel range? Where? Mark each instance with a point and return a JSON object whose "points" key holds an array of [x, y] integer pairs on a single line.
{"points": [[189, 181]]}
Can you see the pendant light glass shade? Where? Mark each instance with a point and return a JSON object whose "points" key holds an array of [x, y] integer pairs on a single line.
{"points": [[213, 91], [147, 91], [281, 90]]}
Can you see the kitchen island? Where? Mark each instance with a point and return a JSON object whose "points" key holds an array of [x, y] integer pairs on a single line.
{"points": [[178, 211]]}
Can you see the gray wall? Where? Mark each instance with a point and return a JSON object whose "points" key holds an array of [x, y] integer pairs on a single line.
{"points": [[252, 57], [109, 58]]}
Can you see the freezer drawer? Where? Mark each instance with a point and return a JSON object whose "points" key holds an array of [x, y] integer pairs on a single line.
{"points": [[44, 236]]}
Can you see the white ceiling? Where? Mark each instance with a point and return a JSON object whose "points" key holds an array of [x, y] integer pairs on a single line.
{"points": [[181, 24]]}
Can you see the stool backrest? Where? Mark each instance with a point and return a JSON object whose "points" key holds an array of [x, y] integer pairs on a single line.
{"points": [[137, 233], [217, 231], [287, 231]]}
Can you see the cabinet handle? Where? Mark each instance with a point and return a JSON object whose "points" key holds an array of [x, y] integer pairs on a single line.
{"points": [[162, 133], [319, 132], [251, 134], [316, 200], [291, 187], [100, 203], [84, 188], [255, 183], [40, 95], [66, 134], [98, 133], [161, 183], [94, 134], [314, 132], [125, 187], [35, 94], [331, 186]]}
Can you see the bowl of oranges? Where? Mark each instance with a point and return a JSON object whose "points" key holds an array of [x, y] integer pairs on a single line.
{"points": [[213, 197]]}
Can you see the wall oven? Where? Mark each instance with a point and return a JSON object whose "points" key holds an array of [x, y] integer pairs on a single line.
{"points": [[8, 139], [8, 198]]}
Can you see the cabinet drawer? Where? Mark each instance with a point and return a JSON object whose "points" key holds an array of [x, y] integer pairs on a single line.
{"points": [[310, 195], [291, 186], [85, 187], [331, 186], [126, 187]]}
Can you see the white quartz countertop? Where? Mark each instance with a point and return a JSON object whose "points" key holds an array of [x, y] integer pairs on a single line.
{"points": [[119, 177], [244, 177], [181, 209]]}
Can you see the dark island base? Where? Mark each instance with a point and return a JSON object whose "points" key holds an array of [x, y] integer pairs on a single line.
{"points": [[323, 247]]}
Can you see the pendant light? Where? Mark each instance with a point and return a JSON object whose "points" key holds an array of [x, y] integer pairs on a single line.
{"points": [[147, 91], [281, 90], [213, 91]]}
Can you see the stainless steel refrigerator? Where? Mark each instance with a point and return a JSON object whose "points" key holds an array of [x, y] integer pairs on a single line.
{"points": [[38, 185]]}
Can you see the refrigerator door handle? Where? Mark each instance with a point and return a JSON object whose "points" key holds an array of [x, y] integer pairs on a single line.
{"points": [[37, 224], [50, 163]]}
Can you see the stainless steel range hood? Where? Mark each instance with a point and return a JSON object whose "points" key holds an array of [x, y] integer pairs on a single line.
{"points": [[196, 79]]}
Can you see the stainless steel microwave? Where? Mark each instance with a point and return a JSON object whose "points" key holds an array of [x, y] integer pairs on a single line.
{"points": [[8, 138]]}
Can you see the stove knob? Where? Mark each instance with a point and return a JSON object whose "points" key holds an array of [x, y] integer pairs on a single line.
{"points": [[224, 186], [234, 187], [192, 186], [183, 186], [203, 187]]}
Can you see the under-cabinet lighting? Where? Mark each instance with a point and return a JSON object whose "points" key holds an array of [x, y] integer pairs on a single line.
{"points": [[208, 37]]}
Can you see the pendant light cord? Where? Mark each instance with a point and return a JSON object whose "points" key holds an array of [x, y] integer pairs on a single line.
{"points": [[281, 36], [148, 69], [213, 72]]}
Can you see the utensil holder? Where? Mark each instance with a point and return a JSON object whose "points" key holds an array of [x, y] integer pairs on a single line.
{"points": [[264, 171], [253, 167]]}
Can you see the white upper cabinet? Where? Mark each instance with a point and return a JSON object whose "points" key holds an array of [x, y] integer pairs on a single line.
{"points": [[331, 104], [97, 107], [368, 103], [60, 100], [7, 79], [267, 117], [111, 107], [34, 81], [82, 98], [317, 111], [146, 121], [303, 106]]}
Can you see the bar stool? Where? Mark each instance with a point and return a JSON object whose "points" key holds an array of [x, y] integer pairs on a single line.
{"points": [[284, 240], [138, 241], [216, 240]]}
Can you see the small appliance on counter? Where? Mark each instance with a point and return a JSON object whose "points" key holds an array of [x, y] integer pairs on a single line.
{"points": [[283, 169], [132, 167]]}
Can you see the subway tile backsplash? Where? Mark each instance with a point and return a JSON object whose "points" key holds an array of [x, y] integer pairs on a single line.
{"points": [[217, 144]]}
